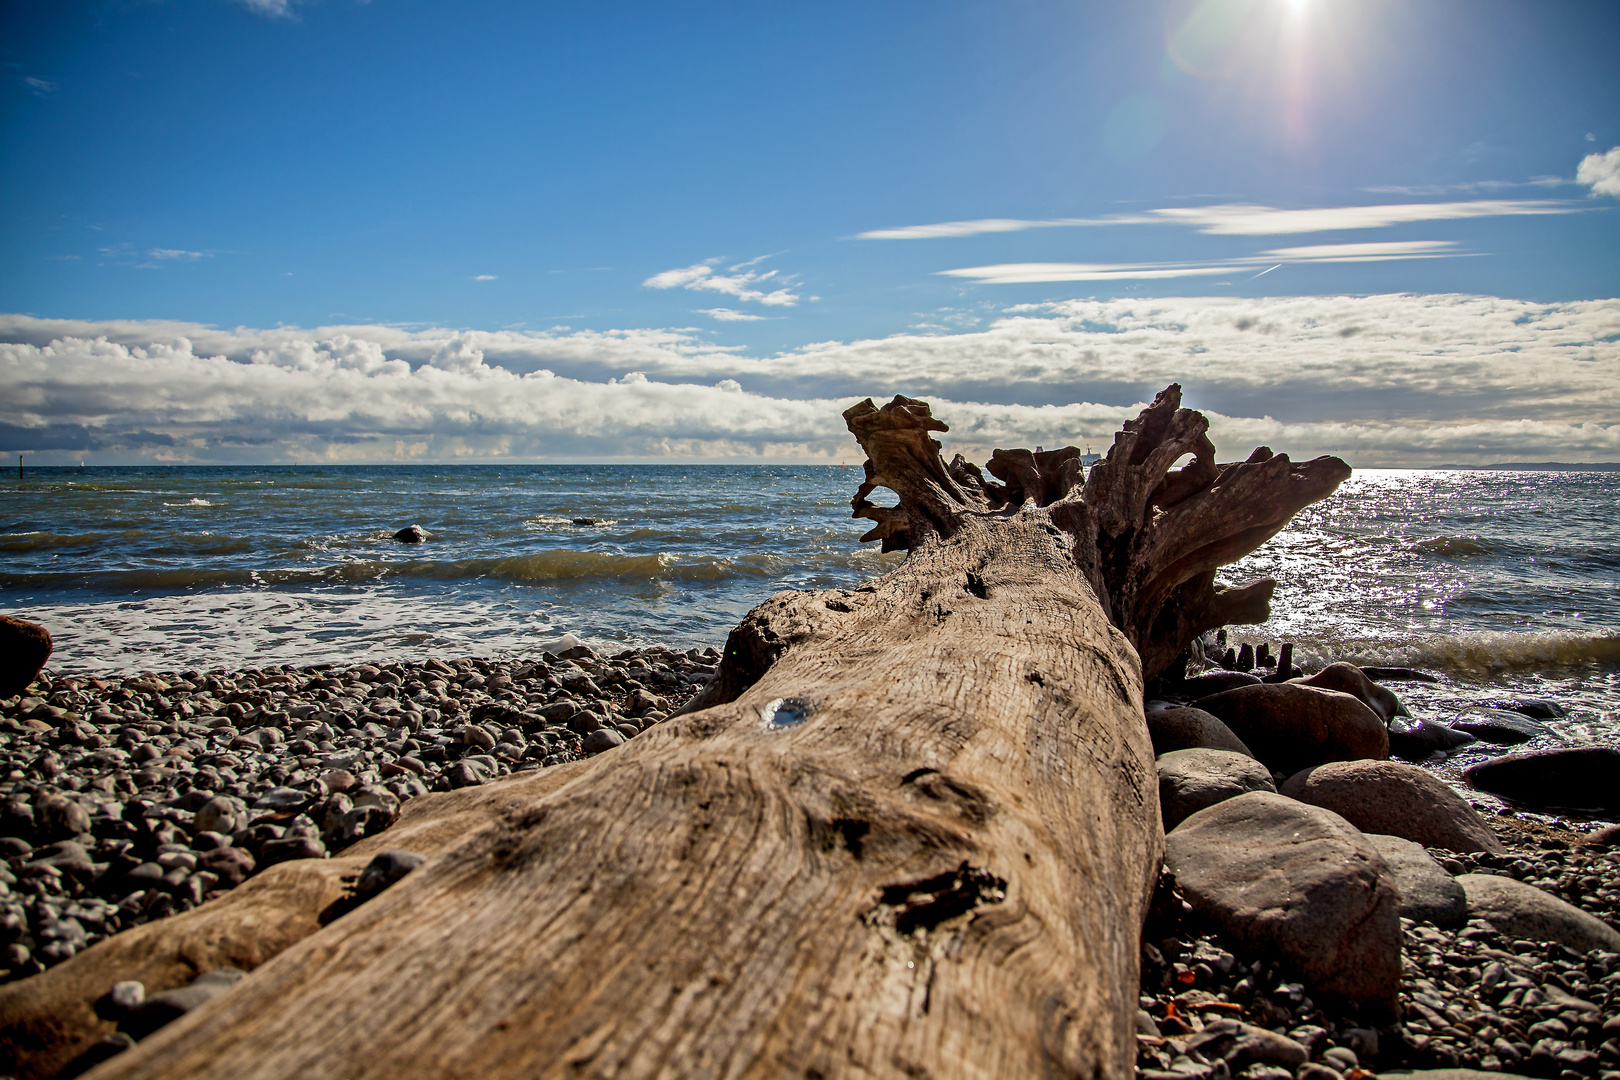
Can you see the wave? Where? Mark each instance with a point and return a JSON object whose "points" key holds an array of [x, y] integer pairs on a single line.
{"points": [[43, 541], [1453, 546], [1471, 654], [190, 502]]}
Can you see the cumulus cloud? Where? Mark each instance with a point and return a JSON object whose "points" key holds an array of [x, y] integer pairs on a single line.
{"points": [[1601, 173], [1382, 380], [1244, 219], [743, 285]]}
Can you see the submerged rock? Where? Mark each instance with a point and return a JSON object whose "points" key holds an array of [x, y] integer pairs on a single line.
{"points": [[411, 534], [1416, 740], [1501, 726]]}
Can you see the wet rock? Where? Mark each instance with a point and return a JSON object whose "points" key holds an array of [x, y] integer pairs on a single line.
{"points": [[1349, 679], [1534, 708], [1289, 726], [1396, 799], [411, 534], [1517, 910], [1581, 777], [1299, 884], [1417, 739], [171, 1005], [1428, 893], [1500, 726], [1189, 729], [1240, 1045], [24, 648], [1190, 780]]}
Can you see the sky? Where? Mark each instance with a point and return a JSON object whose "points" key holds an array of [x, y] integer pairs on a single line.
{"points": [[396, 230]]}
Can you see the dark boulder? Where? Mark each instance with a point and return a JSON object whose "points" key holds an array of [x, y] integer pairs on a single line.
{"points": [[411, 534], [24, 648], [1349, 679], [1214, 682], [1577, 777]]}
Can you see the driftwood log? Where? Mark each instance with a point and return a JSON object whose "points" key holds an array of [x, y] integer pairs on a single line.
{"points": [[909, 830]]}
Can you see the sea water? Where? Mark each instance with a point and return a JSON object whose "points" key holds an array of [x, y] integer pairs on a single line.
{"points": [[1501, 583]]}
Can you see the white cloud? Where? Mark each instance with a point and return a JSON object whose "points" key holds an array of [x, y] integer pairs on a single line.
{"points": [[1375, 252], [1243, 219], [41, 87], [1396, 379], [1027, 273], [174, 255], [484, 277], [724, 314], [1601, 173], [274, 9], [701, 276]]}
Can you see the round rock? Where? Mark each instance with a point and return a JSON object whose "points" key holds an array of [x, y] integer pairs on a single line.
{"points": [[1290, 726], [1417, 739], [24, 648], [1396, 799], [1428, 893], [1190, 780], [1189, 729], [600, 740], [1517, 910], [1298, 884], [1501, 726]]}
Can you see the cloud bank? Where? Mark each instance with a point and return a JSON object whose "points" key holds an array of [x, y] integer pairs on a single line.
{"points": [[1381, 380]]}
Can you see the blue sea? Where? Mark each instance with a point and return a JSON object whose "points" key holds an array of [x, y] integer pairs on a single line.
{"points": [[1503, 583]]}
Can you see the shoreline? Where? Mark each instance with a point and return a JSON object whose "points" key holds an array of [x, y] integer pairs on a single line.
{"points": [[150, 793]]}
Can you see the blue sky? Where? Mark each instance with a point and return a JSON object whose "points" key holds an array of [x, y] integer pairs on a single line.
{"points": [[805, 203]]}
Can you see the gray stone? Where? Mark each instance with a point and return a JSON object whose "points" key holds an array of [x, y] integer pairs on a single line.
{"points": [[1522, 911], [1501, 726], [1428, 893], [1298, 884], [59, 818], [1189, 729], [1578, 777], [128, 994], [1190, 780], [1396, 799]]}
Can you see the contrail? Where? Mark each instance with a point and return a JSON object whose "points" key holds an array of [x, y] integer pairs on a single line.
{"points": [[1266, 271]]}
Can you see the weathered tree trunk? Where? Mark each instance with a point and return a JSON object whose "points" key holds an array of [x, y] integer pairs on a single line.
{"points": [[910, 830]]}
